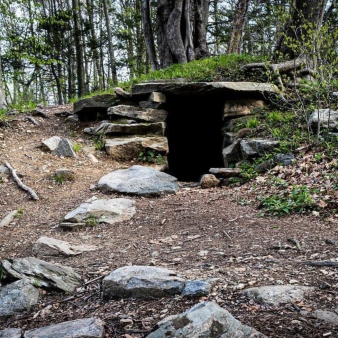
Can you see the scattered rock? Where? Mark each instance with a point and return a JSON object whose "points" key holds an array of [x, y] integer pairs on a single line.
{"points": [[235, 108], [4, 170], [102, 211], [8, 218], [11, 333], [74, 118], [65, 149], [122, 93], [139, 180], [243, 133], [225, 172], [255, 147], [327, 316], [284, 159], [196, 288], [17, 296], [80, 328], [64, 174], [277, 294], [46, 246], [41, 273], [88, 108], [72, 226], [324, 115], [142, 282], [129, 148], [204, 320], [149, 115], [157, 97], [231, 154], [63, 113], [106, 128], [51, 143], [209, 181]]}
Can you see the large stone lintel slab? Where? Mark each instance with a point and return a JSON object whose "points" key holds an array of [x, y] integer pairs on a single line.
{"points": [[198, 88]]}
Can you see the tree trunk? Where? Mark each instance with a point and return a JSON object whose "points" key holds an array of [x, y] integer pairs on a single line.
{"points": [[3, 103], [305, 23], [110, 43], [79, 49], [236, 33], [148, 35], [181, 31]]}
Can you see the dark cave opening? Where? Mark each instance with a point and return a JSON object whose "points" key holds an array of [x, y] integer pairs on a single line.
{"points": [[194, 132]]}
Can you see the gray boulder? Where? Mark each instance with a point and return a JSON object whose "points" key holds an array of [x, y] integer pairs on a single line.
{"points": [[256, 147], [11, 333], [127, 149], [142, 282], [277, 294], [106, 128], [80, 328], [41, 273], [327, 316], [147, 115], [46, 246], [196, 288], [328, 118], [284, 159], [204, 320], [17, 296], [231, 154], [51, 143], [65, 149], [139, 180], [88, 108], [104, 211]]}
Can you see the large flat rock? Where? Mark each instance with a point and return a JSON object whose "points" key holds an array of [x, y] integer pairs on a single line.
{"points": [[328, 118], [90, 106], [103, 210], [126, 149], [46, 246], [204, 320], [139, 180], [142, 282], [81, 328], [11, 333], [17, 296], [132, 112], [277, 294], [107, 128], [198, 88], [41, 273]]}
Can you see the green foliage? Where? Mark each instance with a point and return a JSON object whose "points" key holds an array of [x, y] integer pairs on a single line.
{"points": [[19, 213], [150, 156], [298, 200], [58, 178], [92, 220], [99, 142], [1, 180], [252, 123], [77, 147]]}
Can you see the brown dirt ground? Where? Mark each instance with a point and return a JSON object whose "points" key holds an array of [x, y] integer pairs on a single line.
{"points": [[234, 243]]}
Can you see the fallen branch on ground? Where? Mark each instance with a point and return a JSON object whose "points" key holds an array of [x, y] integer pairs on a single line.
{"points": [[323, 263], [32, 119], [20, 184]]}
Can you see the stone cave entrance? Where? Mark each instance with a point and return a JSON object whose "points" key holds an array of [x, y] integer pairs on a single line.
{"points": [[194, 132]]}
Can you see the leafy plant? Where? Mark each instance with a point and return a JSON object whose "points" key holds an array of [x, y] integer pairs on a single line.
{"points": [[19, 213], [150, 156], [252, 123], [1, 180], [58, 178], [298, 200], [92, 220], [77, 147], [99, 142]]}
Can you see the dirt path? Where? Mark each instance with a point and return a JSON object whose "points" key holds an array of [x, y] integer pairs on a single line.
{"points": [[199, 233]]}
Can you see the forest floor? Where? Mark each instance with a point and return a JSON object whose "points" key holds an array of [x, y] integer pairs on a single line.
{"points": [[200, 233]]}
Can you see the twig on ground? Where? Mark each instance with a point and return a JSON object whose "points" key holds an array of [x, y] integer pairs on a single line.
{"points": [[226, 234], [32, 119], [295, 242], [323, 263], [193, 238], [20, 184]]}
